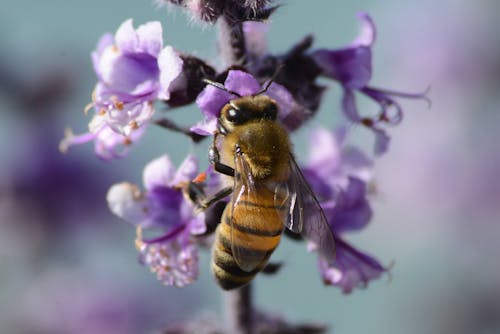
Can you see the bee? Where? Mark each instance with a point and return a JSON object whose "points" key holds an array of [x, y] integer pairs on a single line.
{"points": [[268, 191]]}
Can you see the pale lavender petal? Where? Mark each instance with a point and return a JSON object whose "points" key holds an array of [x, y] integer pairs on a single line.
{"points": [[324, 151], [186, 171], [126, 201], [207, 127], [105, 41], [352, 269], [170, 65], [349, 106], [242, 83], [196, 221], [150, 38], [358, 163], [146, 39], [158, 172], [382, 141], [211, 100], [284, 99], [126, 37], [291, 114], [367, 33]]}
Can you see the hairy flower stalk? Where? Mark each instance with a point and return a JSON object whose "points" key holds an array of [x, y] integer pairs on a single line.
{"points": [[231, 42], [239, 310]]}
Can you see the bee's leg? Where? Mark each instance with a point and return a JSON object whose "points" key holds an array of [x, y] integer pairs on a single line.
{"points": [[215, 198], [195, 192], [214, 159], [272, 268], [213, 216]]}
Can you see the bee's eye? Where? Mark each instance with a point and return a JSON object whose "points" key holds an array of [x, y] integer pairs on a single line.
{"points": [[232, 115], [236, 116], [271, 111]]}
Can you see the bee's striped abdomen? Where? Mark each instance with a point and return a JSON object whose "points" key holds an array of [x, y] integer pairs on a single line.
{"points": [[254, 230]]}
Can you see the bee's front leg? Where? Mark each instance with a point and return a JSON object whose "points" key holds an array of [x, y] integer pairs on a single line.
{"points": [[207, 202], [214, 159]]}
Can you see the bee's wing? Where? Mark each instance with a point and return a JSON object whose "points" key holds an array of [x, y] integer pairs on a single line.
{"points": [[305, 215], [243, 244]]}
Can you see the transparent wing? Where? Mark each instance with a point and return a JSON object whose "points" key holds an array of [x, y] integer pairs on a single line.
{"points": [[244, 245], [305, 215]]}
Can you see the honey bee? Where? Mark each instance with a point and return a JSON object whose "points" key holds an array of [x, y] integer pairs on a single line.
{"points": [[268, 191]]}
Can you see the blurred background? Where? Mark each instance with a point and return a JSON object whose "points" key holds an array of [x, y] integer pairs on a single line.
{"points": [[69, 266]]}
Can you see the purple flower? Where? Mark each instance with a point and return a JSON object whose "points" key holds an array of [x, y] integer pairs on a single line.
{"points": [[352, 268], [212, 99], [133, 70], [352, 68], [338, 176], [108, 144], [163, 206]]}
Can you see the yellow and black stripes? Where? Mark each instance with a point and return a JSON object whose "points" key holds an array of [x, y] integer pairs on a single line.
{"points": [[245, 241]]}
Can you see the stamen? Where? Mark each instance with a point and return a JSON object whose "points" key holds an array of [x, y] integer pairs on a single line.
{"points": [[127, 141], [89, 106], [134, 125], [118, 105]]}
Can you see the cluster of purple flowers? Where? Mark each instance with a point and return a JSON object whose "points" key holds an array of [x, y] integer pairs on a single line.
{"points": [[135, 70]]}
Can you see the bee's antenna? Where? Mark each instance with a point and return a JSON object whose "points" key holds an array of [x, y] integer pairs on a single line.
{"points": [[220, 86], [275, 75]]}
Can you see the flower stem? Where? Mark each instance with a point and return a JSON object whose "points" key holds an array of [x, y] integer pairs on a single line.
{"points": [[239, 312], [231, 42], [170, 125]]}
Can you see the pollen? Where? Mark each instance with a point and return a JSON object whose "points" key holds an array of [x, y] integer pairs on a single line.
{"points": [[118, 105], [200, 178]]}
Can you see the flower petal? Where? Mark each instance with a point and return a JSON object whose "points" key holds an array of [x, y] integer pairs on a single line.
{"points": [[211, 100], [146, 39], [382, 141], [349, 106], [352, 269], [150, 38], [351, 66], [207, 127], [170, 65], [126, 201], [367, 33], [242, 83], [158, 172], [186, 171], [126, 37]]}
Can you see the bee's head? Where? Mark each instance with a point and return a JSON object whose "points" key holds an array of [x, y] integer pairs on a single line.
{"points": [[248, 109], [245, 109]]}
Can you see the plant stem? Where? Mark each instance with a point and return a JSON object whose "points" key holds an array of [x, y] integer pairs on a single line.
{"points": [[170, 125], [231, 42], [239, 311]]}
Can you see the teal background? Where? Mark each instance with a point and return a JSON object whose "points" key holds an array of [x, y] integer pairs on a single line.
{"points": [[437, 208]]}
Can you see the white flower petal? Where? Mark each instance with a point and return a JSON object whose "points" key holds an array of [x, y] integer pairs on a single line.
{"points": [[126, 201]]}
